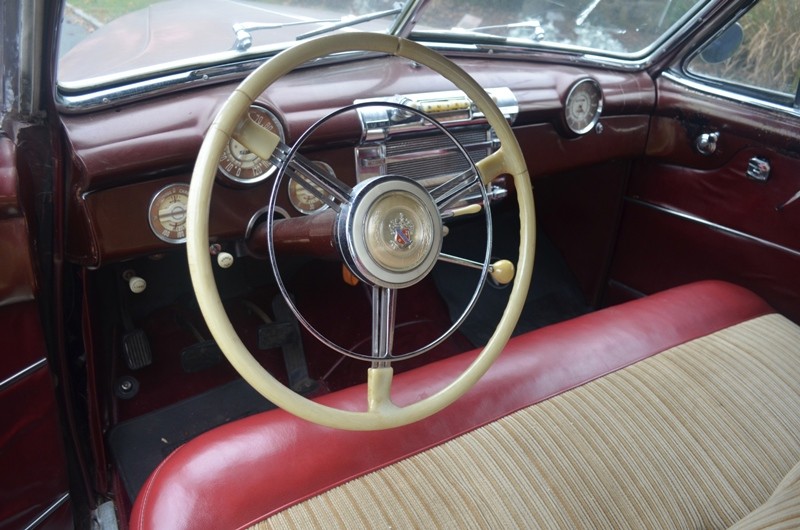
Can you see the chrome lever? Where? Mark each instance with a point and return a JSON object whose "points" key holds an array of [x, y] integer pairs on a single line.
{"points": [[706, 143]]}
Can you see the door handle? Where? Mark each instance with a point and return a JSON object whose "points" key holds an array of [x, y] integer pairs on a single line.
{"points": [[758, 168]]}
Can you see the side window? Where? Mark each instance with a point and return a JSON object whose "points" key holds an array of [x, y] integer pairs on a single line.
{"points": [[758, 55]]}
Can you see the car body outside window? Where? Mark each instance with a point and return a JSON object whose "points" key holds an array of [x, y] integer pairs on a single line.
{"points": [[764, 54]]}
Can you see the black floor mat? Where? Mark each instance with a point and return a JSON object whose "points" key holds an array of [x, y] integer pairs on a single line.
{"points": [[140, 444], [554, 294]]}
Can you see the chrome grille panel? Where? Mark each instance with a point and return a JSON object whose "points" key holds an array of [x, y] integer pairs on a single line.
{"points": [[399, 143]]}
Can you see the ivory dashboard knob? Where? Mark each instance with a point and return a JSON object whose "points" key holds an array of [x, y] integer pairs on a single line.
{"points": [[137, 284], [224, 260]]}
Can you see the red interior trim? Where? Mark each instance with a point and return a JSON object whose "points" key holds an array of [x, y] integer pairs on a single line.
{"points": [[247, 470]]}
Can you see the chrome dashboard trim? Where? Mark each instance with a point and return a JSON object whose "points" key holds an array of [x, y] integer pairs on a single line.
{"points": [[395, 132]]}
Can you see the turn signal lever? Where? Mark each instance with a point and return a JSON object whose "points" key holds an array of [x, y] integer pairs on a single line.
{"points": [[501, 271]]}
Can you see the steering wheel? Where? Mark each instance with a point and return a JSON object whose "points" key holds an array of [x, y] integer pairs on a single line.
{"points": [[365, 205]]}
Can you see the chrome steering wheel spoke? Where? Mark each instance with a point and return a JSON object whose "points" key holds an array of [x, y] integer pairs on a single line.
{"points": [[326, 188], [452, 190], [384, 308]]}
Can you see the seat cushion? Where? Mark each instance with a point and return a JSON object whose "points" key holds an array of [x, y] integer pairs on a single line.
{"points": [[253, 468], [782, 509], [696, 437]]}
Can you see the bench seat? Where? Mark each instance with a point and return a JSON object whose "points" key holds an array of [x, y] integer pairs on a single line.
{"points": [[678, 410]]}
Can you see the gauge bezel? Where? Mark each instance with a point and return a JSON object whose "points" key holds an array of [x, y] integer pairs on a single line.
{"points": [[153, 217], [324, 166], [595, 91], [230, 177]]}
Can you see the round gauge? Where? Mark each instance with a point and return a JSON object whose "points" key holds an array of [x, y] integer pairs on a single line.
{"points": [[583, 106], [303, 200], [241, 165], [167, 213]]}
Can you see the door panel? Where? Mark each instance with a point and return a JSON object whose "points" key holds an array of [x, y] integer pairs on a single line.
{"points": [[33, 481], [690, 215]]}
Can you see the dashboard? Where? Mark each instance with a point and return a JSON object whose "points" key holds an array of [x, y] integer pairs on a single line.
{"points": [[132, 164]]}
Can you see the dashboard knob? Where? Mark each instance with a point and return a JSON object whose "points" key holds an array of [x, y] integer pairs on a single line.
{"points": [[224, 260], [137, 284]]}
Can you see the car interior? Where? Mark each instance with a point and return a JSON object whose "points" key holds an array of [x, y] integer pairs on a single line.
{"points": [[414, 287]]}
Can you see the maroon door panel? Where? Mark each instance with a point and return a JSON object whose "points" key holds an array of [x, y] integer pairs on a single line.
{"points": [[33, 480], [690, 215], [657, 250]]}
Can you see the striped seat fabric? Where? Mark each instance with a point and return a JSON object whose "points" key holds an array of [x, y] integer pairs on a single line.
{"points": [[696, 437]]}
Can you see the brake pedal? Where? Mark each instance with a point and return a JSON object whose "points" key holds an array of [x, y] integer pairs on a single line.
{"points": [[200, 356]]}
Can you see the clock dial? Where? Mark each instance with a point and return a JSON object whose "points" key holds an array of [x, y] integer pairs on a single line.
{"points": [[583, 106]]}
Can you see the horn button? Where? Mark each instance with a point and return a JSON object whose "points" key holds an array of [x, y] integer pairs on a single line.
{"points": [[390, 235]]}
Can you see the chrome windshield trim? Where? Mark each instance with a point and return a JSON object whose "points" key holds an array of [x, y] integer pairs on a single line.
{"points": [[539, 55], [181, 66], [69, 102], [73, 102], [727, 94], [404, 22], [22, 374]]}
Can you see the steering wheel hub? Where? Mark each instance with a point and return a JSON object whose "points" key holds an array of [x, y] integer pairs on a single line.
{"points": [[391, 233]]}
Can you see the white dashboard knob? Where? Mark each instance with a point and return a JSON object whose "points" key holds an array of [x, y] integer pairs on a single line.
{"points": [[137, 284], [224, 260]]}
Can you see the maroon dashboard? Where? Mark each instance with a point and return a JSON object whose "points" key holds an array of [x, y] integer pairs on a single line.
{"points": [[123, 156]]}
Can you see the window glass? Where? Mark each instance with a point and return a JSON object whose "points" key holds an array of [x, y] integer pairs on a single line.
{"points": [[762, 51], [610, 27]]}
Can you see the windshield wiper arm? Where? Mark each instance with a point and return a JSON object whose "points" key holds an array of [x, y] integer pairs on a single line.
{"points": [[242, 30], [349, 21], [533, 25]]}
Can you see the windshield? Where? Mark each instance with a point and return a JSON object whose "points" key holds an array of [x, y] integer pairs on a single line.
{"points": [[107, 40], [104, 42], [621, 28]]}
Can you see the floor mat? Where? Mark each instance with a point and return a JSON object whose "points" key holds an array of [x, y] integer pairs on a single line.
{"points": [[554, 294], [140, 444]]}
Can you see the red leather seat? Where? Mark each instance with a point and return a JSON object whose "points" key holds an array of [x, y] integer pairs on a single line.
{"points": [[246, 470]]}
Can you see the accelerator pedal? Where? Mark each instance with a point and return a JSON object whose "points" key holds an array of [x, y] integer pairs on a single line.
{"points": [[284, 333]]}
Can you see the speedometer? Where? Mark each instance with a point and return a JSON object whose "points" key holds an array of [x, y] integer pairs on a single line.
{"points": [[582, 106], [240, 165]]}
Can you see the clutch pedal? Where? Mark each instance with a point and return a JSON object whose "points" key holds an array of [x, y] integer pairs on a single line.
{"points": [[136, 349]]}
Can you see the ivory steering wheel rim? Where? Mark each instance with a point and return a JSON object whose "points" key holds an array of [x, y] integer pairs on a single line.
{"points": [[381, 412]]}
